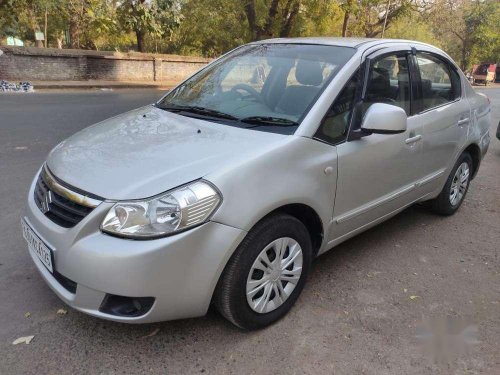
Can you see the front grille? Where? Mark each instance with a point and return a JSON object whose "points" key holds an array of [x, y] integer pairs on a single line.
{"points": [[59, 209]]}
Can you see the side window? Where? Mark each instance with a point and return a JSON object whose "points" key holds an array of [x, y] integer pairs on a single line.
{"points": [[440, 84], [389, 82], [335, 125]]}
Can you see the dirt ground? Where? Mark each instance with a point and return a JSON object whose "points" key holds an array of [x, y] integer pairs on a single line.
{"points": [[418, 294]]}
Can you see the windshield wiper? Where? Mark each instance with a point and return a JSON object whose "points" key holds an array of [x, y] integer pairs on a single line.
{"points": [[198, 110], [255, 121], [268, 121]]}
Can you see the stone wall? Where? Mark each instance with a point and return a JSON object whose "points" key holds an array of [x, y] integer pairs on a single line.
{"points": [[50, 64]]}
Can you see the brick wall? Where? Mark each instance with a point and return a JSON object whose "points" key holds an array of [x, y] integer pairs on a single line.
{"points": [[49, 64]]}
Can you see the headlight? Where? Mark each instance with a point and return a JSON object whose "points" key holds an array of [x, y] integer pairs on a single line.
{"points": [[162, 215]]}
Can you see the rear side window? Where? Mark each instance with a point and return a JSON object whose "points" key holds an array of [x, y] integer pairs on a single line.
{"points": [[440, 83]]}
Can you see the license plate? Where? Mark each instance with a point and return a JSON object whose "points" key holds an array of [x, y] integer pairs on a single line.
{"points": [[37, 246]]}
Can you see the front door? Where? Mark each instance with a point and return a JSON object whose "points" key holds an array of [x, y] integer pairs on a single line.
{"points": [[378, 173]]}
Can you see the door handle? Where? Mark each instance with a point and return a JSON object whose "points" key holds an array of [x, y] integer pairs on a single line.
{"points": [[463, 121], [414, 139]]}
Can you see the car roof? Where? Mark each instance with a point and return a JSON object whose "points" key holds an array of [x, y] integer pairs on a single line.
{"points": [[343, 42], [361, 44]]}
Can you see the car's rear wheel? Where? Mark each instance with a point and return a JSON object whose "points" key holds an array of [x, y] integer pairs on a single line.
{"points": [[456, 187], [266, 274]]}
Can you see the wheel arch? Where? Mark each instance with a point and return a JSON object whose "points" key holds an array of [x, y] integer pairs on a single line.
{"points": [[302, 212], [475, 152], [308, 216]]}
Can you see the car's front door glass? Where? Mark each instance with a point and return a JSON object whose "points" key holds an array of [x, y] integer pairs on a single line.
{"points": [[389, 82], [335, 125]]}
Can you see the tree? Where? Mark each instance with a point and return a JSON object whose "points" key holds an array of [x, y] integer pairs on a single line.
{"points": [[210, 27], [156, 17], [466, 28], [487, 42], [370, 18], [276, 19], [100, 20], [349, 7], [24, 18], [75, 11], [420, 30]]}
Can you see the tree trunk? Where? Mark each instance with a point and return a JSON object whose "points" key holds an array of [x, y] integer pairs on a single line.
{"points": [[74, 33], [268, 28], [463, 61], [45, 30], [289, 19], [348, 7], [252, 18], [345, 24], [34, 27], [385, 18], [140, 40]]}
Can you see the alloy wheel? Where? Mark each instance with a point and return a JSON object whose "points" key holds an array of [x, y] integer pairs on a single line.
{"points": [[459, 184]]}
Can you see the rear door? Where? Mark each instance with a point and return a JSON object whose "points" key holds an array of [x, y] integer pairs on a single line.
{"points": [[444, 114], [378, 173]]}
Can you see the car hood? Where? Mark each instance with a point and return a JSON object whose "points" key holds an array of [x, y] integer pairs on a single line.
{"points": [[147, 151]]}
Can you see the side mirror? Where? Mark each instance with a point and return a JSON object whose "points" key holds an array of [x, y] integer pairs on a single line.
{"points": [[383, 118]]}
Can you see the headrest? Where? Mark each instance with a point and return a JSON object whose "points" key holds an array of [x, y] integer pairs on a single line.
{"points": [[309, 73], [380, 82], [426, 85]]}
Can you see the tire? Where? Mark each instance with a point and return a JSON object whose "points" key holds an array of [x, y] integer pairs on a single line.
{"points": [[443, 205], [230, 296]]}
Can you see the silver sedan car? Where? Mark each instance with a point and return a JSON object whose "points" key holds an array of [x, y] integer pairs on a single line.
{"points": [[225, 190]]}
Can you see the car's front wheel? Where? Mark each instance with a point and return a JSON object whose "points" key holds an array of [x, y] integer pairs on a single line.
{"points": [[266, 274], [456, 187]]}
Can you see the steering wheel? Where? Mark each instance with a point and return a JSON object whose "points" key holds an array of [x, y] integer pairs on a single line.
{"points": [[247, 88]]}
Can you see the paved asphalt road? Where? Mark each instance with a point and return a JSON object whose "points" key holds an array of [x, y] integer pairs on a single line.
{"points": [[357, 314]]}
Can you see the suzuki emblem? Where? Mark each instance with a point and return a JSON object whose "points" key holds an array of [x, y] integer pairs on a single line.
{"points": [[46, 201]]}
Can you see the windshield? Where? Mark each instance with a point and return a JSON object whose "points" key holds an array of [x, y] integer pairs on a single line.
{"points": [[269, 86]]}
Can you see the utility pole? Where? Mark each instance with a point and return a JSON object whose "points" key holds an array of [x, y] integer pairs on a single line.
{"points": [[385, 18]]}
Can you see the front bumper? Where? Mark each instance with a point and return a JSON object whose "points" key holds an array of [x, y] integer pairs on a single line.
{"points": [[180, 271]]}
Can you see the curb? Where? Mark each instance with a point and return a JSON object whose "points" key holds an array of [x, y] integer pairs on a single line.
{"points": [[41, 86]]}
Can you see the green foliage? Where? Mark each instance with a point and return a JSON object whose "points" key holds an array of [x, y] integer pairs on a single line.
{"points": [[469, 30], [157, 18], [419, 30], [210, 27], [8, 24], [320, 17], [486, 20]]}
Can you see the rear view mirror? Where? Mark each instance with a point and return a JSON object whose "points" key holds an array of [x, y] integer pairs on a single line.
{"points": [[383, 118]]}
